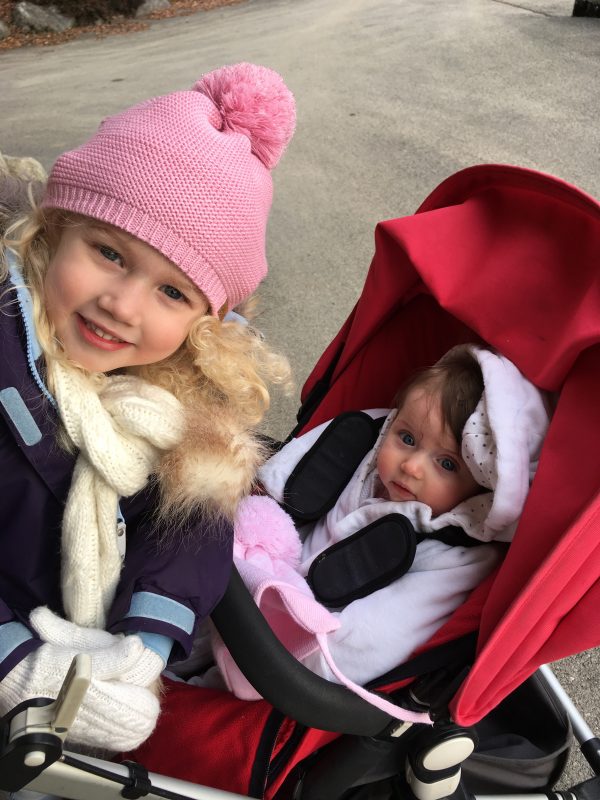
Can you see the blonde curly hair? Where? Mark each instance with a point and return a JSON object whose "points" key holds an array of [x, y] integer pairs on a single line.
{"points": [[221, 374]]}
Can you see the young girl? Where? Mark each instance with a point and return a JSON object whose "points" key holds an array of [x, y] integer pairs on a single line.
{"points": [[127, 398], [459, 449]]}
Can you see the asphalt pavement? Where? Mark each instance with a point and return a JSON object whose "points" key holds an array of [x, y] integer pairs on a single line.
{"points": [[393, 96]]}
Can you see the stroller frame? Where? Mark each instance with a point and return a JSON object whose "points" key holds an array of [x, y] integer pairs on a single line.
{"points": [[32, 756]]}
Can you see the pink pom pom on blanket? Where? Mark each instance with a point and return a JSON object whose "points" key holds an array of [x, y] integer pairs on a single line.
{"points": [[253, 100], [264, 532], [266, 549]]}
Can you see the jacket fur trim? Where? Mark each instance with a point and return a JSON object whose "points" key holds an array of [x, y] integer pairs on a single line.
{"points": [[212, 469]]}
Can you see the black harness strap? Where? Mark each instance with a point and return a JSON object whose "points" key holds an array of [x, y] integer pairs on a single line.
{"points": [[455, 653], [364, 562], [317, 393], [372, 558], [320, 476], [453, 536]]}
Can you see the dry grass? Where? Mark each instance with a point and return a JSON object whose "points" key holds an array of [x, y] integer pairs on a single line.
{"points": [[116, 25]]}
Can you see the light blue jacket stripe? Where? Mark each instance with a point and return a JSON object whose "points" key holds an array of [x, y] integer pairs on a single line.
{"points": [[20, 415], [12, 634], [154, 606], [162, 645]]}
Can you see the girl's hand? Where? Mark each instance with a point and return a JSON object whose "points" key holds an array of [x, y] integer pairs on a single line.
{"points": [[115, 715], [120, 708], [55, 630], [142, 667]]}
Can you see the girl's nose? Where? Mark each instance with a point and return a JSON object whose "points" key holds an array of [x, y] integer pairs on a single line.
{"points": [[124, 303]]}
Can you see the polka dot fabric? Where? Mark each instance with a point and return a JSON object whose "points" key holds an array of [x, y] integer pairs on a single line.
{"points": [[501, 444], [478, 447]]}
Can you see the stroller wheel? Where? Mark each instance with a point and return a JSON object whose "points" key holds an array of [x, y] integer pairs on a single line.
{"points": [[449, 753], [433, 763]]}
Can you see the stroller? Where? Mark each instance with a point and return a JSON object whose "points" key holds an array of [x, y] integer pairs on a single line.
{"points": [[495, 254]]}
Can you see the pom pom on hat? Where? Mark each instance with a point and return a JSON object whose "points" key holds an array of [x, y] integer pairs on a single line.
{"points": [[254, 101], [189, 174]]}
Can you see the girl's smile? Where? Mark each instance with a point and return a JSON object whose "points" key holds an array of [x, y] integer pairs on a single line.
{"points": [[116, 302], [99, 337]]}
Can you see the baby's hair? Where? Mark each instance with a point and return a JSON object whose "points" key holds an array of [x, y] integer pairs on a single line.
{"points": [[458, 379]]}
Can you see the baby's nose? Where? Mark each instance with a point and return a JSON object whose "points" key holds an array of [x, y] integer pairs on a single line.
{"points": [[413, 465]]}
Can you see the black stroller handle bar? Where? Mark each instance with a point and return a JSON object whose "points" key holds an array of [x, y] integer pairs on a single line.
{"points": [[282, 680]]}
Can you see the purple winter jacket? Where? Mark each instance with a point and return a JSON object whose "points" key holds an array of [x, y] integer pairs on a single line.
{"points": [[165, 590]]}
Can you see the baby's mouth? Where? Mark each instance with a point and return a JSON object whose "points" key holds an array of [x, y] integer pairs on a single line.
{"points": [[401, 487]]}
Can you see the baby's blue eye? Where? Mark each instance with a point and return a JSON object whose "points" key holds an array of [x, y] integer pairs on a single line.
{"points": [[407, 438], [448, 464], [173, 293], [110, 254]]}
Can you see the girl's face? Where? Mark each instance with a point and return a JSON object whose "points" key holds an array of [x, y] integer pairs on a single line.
{"points": [[419, 458], [116, 302]]}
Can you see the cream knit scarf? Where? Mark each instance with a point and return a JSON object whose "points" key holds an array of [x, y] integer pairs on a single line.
{"points": [[121, 431]]}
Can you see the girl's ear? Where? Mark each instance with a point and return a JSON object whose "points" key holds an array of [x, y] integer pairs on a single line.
{"points": [[222, 311]]}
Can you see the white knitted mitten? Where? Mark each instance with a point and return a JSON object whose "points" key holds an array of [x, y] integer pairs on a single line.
{"points": [[118, 711], [143, 671], [56, 630], [114, 715]]}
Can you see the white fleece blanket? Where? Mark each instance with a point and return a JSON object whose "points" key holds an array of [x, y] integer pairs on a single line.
{"points": [[374, 634]]}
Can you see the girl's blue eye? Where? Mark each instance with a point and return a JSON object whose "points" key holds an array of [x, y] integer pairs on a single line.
{"points": [[407, 438], [110, 254], [173, 293], [448, 464]]}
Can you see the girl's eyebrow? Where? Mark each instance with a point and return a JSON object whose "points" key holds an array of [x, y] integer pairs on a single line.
{"points": [[121, 238], [125, 239], [182, 281], [187, 284], [106, 230]]}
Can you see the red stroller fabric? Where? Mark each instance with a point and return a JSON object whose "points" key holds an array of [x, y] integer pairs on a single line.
{"points": [[510, 257]]}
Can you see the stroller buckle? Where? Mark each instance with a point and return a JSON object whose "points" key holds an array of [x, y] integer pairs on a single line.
{"points": [[400, 730]]}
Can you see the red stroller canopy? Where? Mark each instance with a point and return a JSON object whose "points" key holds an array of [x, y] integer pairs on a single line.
{"points": [[511, 257]]}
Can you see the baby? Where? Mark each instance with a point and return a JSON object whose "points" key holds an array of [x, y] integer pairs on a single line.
{"points": [[459, 449], [419, 457]]}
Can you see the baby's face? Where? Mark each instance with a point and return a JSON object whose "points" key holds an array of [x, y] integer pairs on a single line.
{"points": [[419, 458]]}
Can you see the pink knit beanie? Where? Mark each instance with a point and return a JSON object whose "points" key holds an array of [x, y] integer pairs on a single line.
{"points": [[189, 173]]}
